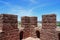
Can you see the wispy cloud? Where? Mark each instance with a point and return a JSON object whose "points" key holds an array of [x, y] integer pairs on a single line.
{"points": [[27, 11], [32, 1], [18, 10], [6, 3], [21, 12]]}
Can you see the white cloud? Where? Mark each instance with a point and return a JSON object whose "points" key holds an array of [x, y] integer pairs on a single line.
{"points": [[39, 6], [16, 9], [20, 12]]}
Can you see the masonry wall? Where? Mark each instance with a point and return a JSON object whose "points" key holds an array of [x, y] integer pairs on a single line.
{"points": [[9, 26], [25, 21], [10, 31], [29, 23], [48, 31], [33, 24], [2, 36], [33, 21]]}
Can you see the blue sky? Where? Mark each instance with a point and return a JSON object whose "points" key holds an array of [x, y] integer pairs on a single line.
{"points": [[30, 8]]}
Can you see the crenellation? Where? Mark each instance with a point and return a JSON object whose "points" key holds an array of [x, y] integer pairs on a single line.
{"points": [[29, 28]]}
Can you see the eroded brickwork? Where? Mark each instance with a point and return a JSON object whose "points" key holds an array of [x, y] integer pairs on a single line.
{"points": [[28, 23], [48, 31], [25, 21], [2, 36], [33, 24], [9, 26], [33, 21]]}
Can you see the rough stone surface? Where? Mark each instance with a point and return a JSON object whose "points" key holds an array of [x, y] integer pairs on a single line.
{"points": [[48, 31], [28, 30], [29, 23], [9, 27]]}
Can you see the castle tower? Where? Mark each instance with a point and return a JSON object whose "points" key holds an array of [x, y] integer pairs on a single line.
{"points": [[28, 23], [48, 31], [33, 24], [25, 22], [9, 27], [33, 21]]}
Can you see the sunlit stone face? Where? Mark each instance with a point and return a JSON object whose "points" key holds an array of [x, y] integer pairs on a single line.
{"points": [[0, 30], [31, 38]]}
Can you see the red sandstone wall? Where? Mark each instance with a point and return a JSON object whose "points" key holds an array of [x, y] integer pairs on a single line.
{"points": [[28, 23], [11, 32], [9, 27], [48, 31], [33, 21]]}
